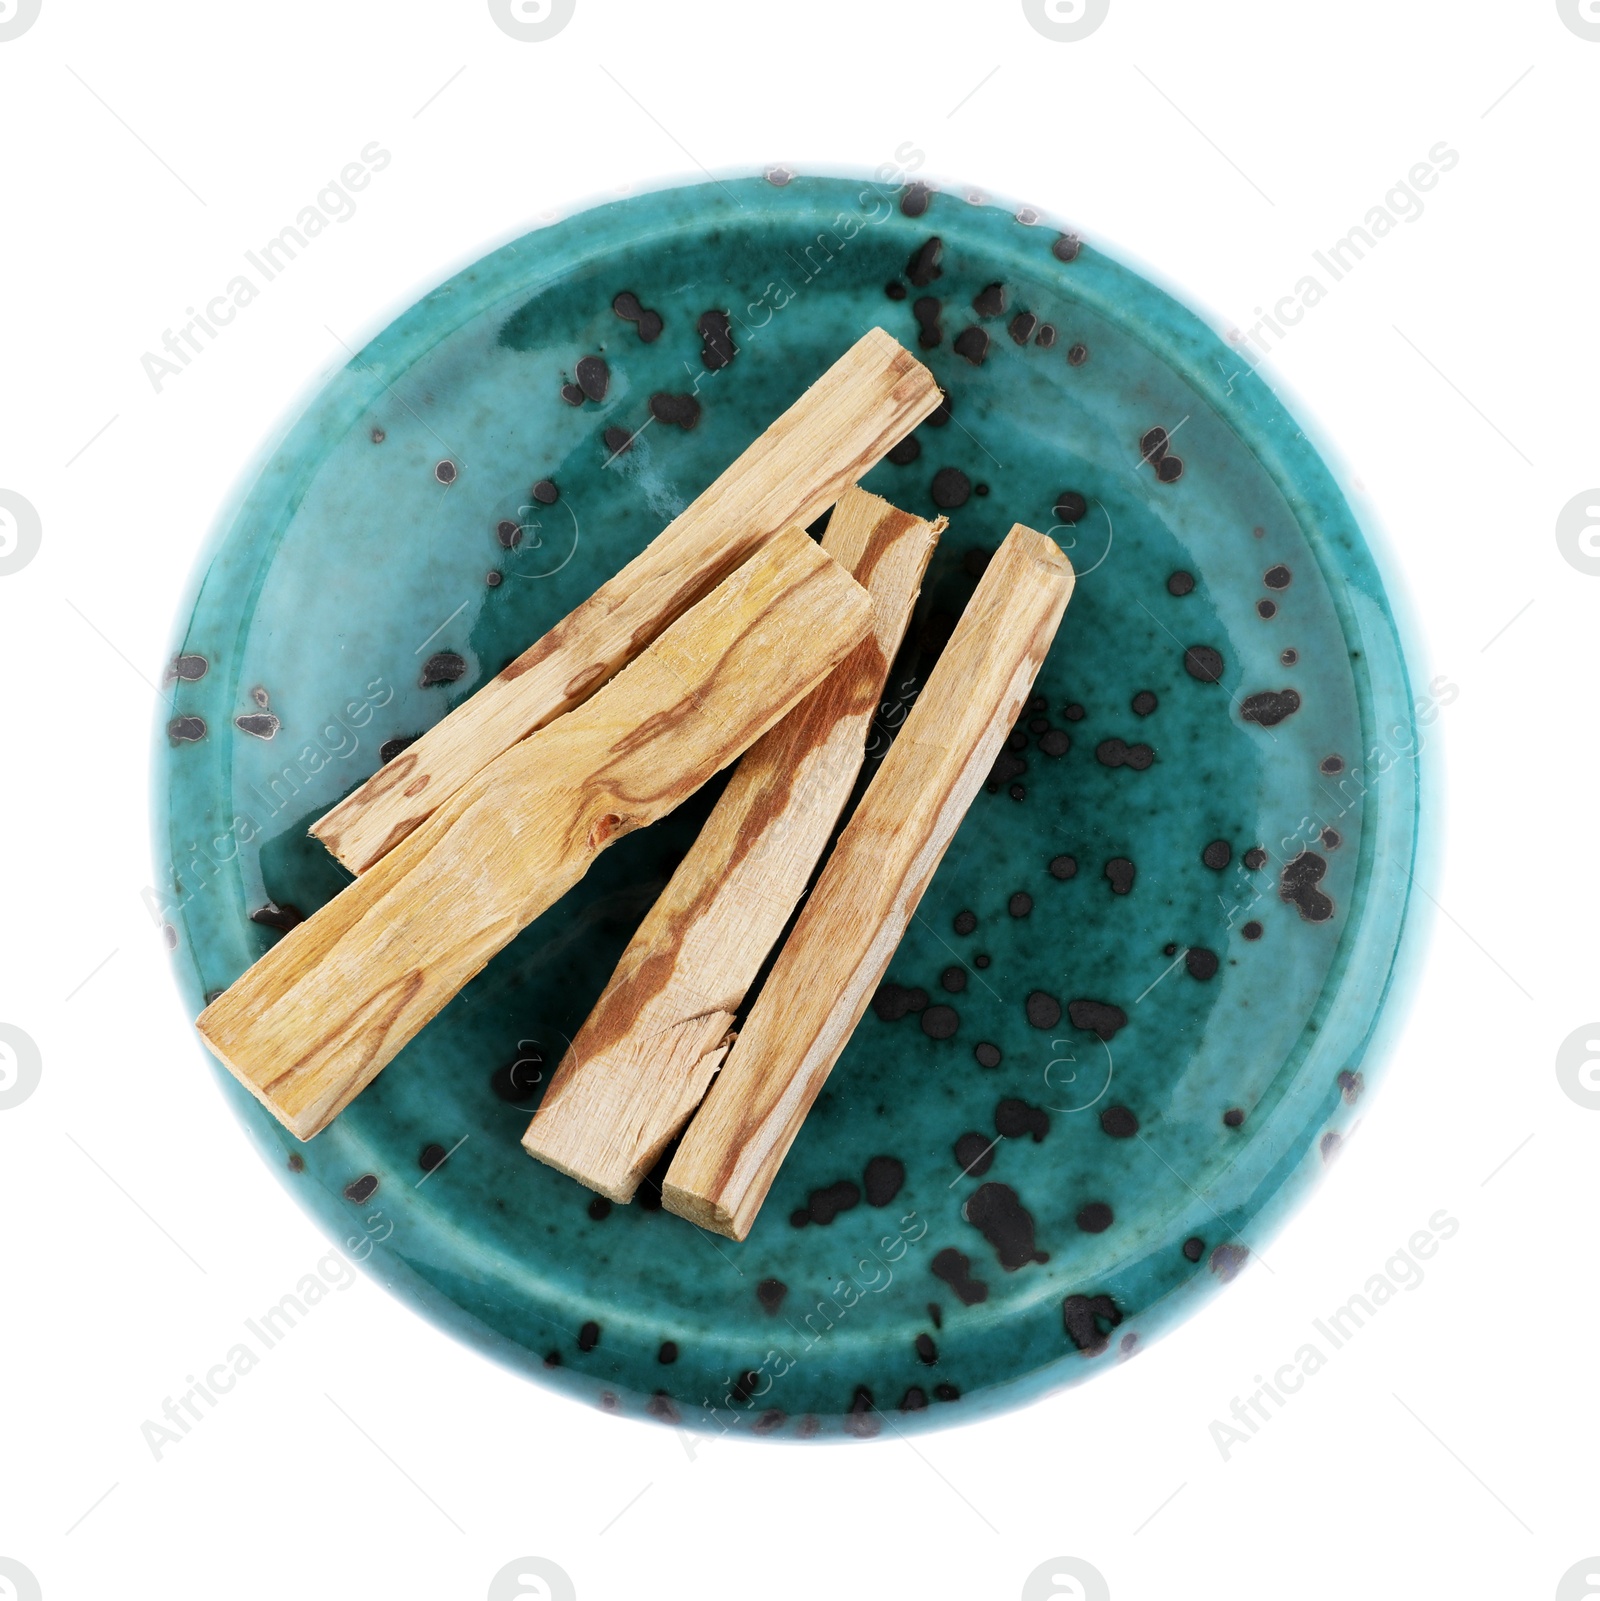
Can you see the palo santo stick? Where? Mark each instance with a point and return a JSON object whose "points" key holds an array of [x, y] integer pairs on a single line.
{"points": [[313, 1022], [871, 398], [821, 983], [643, 1058]]}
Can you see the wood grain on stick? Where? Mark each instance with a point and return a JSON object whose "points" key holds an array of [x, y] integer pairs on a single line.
{"points": [[641, 1062], [873, 396], [312, 1023], [841, 944]]}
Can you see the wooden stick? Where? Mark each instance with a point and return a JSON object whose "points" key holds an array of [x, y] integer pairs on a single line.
{"points": [[873, 396], [826, 973], [643, 1058], [313, 1022]]}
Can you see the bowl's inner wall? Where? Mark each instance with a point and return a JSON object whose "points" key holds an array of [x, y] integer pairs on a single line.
{"points": [[1200, 730]]}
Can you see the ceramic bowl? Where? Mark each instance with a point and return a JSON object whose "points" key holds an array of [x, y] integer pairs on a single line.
{"points": [[1137, 1007]]}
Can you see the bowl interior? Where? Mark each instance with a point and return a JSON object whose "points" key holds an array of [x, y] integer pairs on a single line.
{"points": [[1142, 983]]}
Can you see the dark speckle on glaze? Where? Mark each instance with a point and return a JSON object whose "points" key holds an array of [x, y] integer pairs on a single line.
{"points": [[926, 309], [1201, 963], [1021, 327], [923, 267], [1066, 247], [1194, 1248], [883, 1178], [906, 452], [955, 1269], [443, 667], [186, 730], [1014, 1118], [1144, 703], [1055, 743], [647, 324], [1120, 874], [1227, 1259], [940, 1022], [263, 725], [1077, 354], [1203, 662], [997, 1213], [599, 1208], [681, 410], [1044, 1011], [893, 1001], [1299, 883], [1278, 577], [1063, 867], [1180, 583], [990, 301], [1234, 1117], [359, 1190], [972, 344], [915, 199], [1217, 855], [594, 377], [1255, 858], [927, 1351], [1020, 904], [589, 1336], [1119, 1122], [1270, 707], [986, 1055], [974, 1153], [770, 1293], [965, 922], [953, 980], [951, 487], [1081, 1317], [282, 918], [1095, 1218], [717, 348], [1118, 753], [618, 441], [1097, 1017], [188, 668], [826, 1204]]}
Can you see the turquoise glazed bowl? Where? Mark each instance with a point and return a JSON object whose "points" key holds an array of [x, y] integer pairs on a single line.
{"points": [[1139, 1001]]}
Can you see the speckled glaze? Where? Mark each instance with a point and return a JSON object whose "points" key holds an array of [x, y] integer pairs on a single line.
{"points": [[1140, 996]]}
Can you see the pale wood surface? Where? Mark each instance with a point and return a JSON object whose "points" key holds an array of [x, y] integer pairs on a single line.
{"points": [[841, 944], [312, 1023], [640, 1064], [870, 398]]}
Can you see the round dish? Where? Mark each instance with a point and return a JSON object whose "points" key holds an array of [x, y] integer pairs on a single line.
{"points": [[1138, 1003]]}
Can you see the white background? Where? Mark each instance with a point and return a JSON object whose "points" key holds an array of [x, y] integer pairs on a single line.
{"points": [[1442, 1452]]}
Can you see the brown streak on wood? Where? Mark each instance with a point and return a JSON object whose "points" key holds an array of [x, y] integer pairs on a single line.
{"points": [[844, 938], [521, 832], [869, 399], [647, 1051]]}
